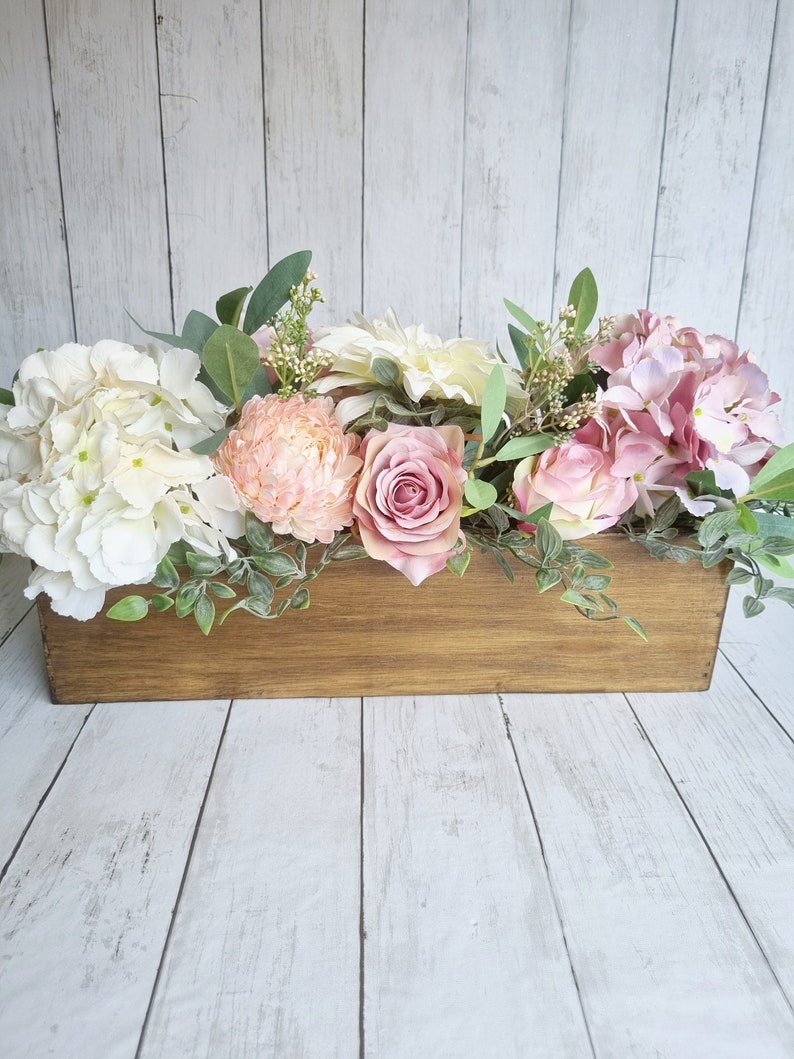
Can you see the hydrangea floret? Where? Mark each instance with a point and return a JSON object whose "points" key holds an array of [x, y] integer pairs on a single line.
{"points": [[229, 465]]}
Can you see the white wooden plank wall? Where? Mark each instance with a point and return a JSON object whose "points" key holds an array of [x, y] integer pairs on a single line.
{"points": [[435, 157]]}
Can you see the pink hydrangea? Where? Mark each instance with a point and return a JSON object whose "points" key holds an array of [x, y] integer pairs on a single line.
{"points": [[293, 466], [677, 401]]}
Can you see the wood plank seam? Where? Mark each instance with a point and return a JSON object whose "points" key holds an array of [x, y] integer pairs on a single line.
{"points": [[789, 1001], [754, 693], [552, 888], [43, 799], [182, 882]]}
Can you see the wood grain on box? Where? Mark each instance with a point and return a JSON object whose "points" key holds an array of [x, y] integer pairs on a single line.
{"points": [[370, 632]]}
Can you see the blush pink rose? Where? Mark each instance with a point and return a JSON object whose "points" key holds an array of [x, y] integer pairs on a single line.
{"points": [[409, 496], [578, 480]]}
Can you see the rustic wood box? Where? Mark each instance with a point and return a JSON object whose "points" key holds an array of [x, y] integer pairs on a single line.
{"points": [[370, 632]]}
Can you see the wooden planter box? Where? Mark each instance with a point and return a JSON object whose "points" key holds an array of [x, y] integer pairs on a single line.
{"points": [[370, 632]]}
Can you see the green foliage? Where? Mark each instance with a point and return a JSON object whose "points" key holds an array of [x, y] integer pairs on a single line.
{"points": [[493, 404], [583, 297], [131, 608], [6, 396], [528, 445], [274, 290], [230, 306], [775, 480], [212, 443], [231, 359]]}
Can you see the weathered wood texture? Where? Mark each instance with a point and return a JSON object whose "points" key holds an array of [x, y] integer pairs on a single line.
{"points": [[87, 902], [644, 907], [405, 641], [478, 975], [264, 956], [436, 157]]}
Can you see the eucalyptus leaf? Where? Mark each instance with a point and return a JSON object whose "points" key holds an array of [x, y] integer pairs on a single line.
{"points": [[520, 344], [528, 445], [186, 599], [230, 306], [161, 336], [161, 602], [522, 316], [583, 297], [231, 359], [259, 585], [221, 590], [177, 553], [494, 400], [259, 386], [274, 290], [299, 600], [203, 565], [131, 608], [196, 331]]}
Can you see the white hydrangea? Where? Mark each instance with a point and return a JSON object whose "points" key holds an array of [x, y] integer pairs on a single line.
{"points": [[96, 480], [457, 369]]}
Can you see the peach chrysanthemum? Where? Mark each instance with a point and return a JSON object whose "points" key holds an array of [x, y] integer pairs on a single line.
{"points": [[293, 466]]}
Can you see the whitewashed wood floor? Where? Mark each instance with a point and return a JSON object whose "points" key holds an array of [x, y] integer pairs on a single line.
{"points": [[517, 876]]}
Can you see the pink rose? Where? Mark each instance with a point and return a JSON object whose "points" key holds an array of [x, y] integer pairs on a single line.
{"points": [[578, 480], [409, 496]]}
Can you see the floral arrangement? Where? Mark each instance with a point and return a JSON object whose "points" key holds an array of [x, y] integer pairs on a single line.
{"points": [[229, 469]]}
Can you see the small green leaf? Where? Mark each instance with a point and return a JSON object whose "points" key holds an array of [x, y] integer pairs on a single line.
{"points": [[131, 608], [207, 446], [738, 576], [752, 606], [584, 298], [386, 371], [186, 599], [576, 598], [529, 445], [349, 552], [259, 585], [274, 290], [714, 527], [784, 594], [747, 520], [177, 553], [667, 513], [494, 400], [546, 578], [459, 562], [6, 396], [231, 359], [258, 605], [480, 494], [161, 602], [775, 480], [165, 576], [277, 564], [520, 344], [548, 541], [596, 582], [778, 546], [635, 626], [258, 534], [221, 590], [203, 565], [204, 613], [230, 306], [299, 600], [522, 316]]}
